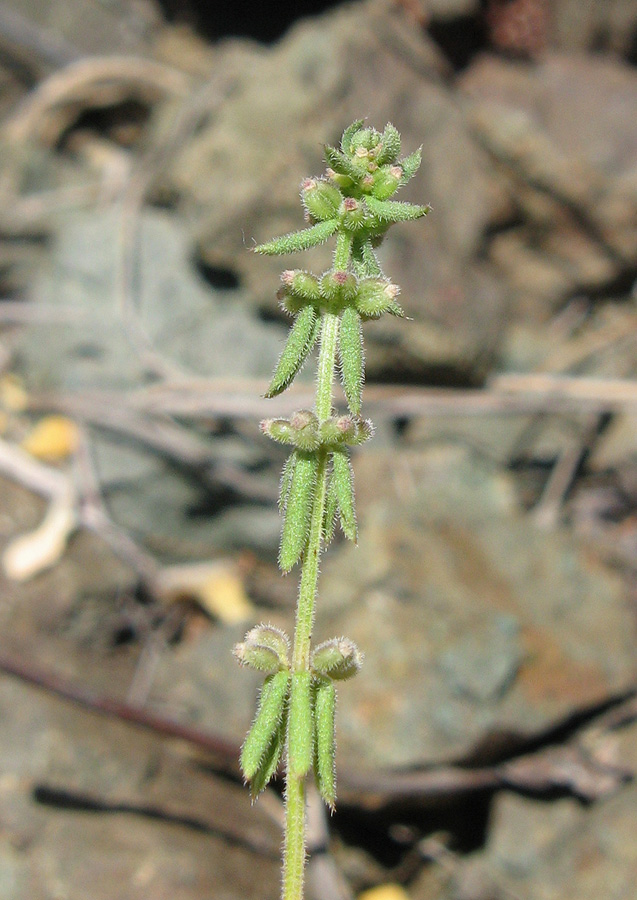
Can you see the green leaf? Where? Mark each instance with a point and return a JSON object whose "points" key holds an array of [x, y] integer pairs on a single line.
{"points": [[300, 341], [268, 718], [324, 721], [348, 134], [329, 516], [364, 260], [299, 240], [395, 210], [298, 510], [270, 761], [300, 727], [390, 145], [286, 481], [344, 486], [410, 165], [342, 164], [351, 357]]}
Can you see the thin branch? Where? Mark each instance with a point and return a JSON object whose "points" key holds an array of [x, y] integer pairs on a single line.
{"points": [[223, 750], [197, 399], [566, 766]]}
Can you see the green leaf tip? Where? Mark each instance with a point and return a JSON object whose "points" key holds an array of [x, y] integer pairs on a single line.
{"points": [[298, 509], [348, 134], [296, 241], [351, 358], [392, 211], [270, 712], [343, 480], [300, 341], [324, 739]]}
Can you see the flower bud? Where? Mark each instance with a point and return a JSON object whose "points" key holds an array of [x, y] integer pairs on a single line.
{"points": [[386, 182], [303, 284], [363, 141], [304, 425], [364, 430], [350, 430], [289, 301], [340, 179], [279, 430], [320, 199], [264, 648], [376, 296], [297, 290], [338, 658], [346, 429], [329, 431], [338, 287], [352, 214]]}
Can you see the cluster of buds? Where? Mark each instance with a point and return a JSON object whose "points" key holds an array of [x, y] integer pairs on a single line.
{"points": [[304, 431], [353, 196], [335, 291], [308, 436], [303, 702], [354, 300]]}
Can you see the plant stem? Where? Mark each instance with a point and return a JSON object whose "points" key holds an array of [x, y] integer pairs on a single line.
{"points": [[344, 242], [294, 848]]}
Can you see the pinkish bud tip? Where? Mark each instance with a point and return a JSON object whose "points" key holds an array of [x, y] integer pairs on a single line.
{"points": [[350, 204], [308, 184], [396, 172], [340, 277]]}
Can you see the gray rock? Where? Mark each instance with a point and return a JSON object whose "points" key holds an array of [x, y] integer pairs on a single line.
{"points": [[146, 819], [550, 850], [570, 157], [475, 624], [239, 175], [82, 344]]}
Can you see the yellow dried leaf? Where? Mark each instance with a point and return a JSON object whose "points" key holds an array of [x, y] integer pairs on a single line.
{"points": [[216, 586], [54, 438], [385, 892], [13, 395]]}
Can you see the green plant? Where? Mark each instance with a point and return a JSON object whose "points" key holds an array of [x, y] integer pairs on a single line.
{"points": [[296, 710]]}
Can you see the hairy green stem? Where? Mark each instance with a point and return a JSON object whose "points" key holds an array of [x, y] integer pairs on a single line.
{"points": [[351, 204], [344, 242], [326, 364], [294, 847]]}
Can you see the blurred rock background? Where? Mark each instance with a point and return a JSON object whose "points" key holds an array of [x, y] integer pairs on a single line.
{"points": [[488, 747]]}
